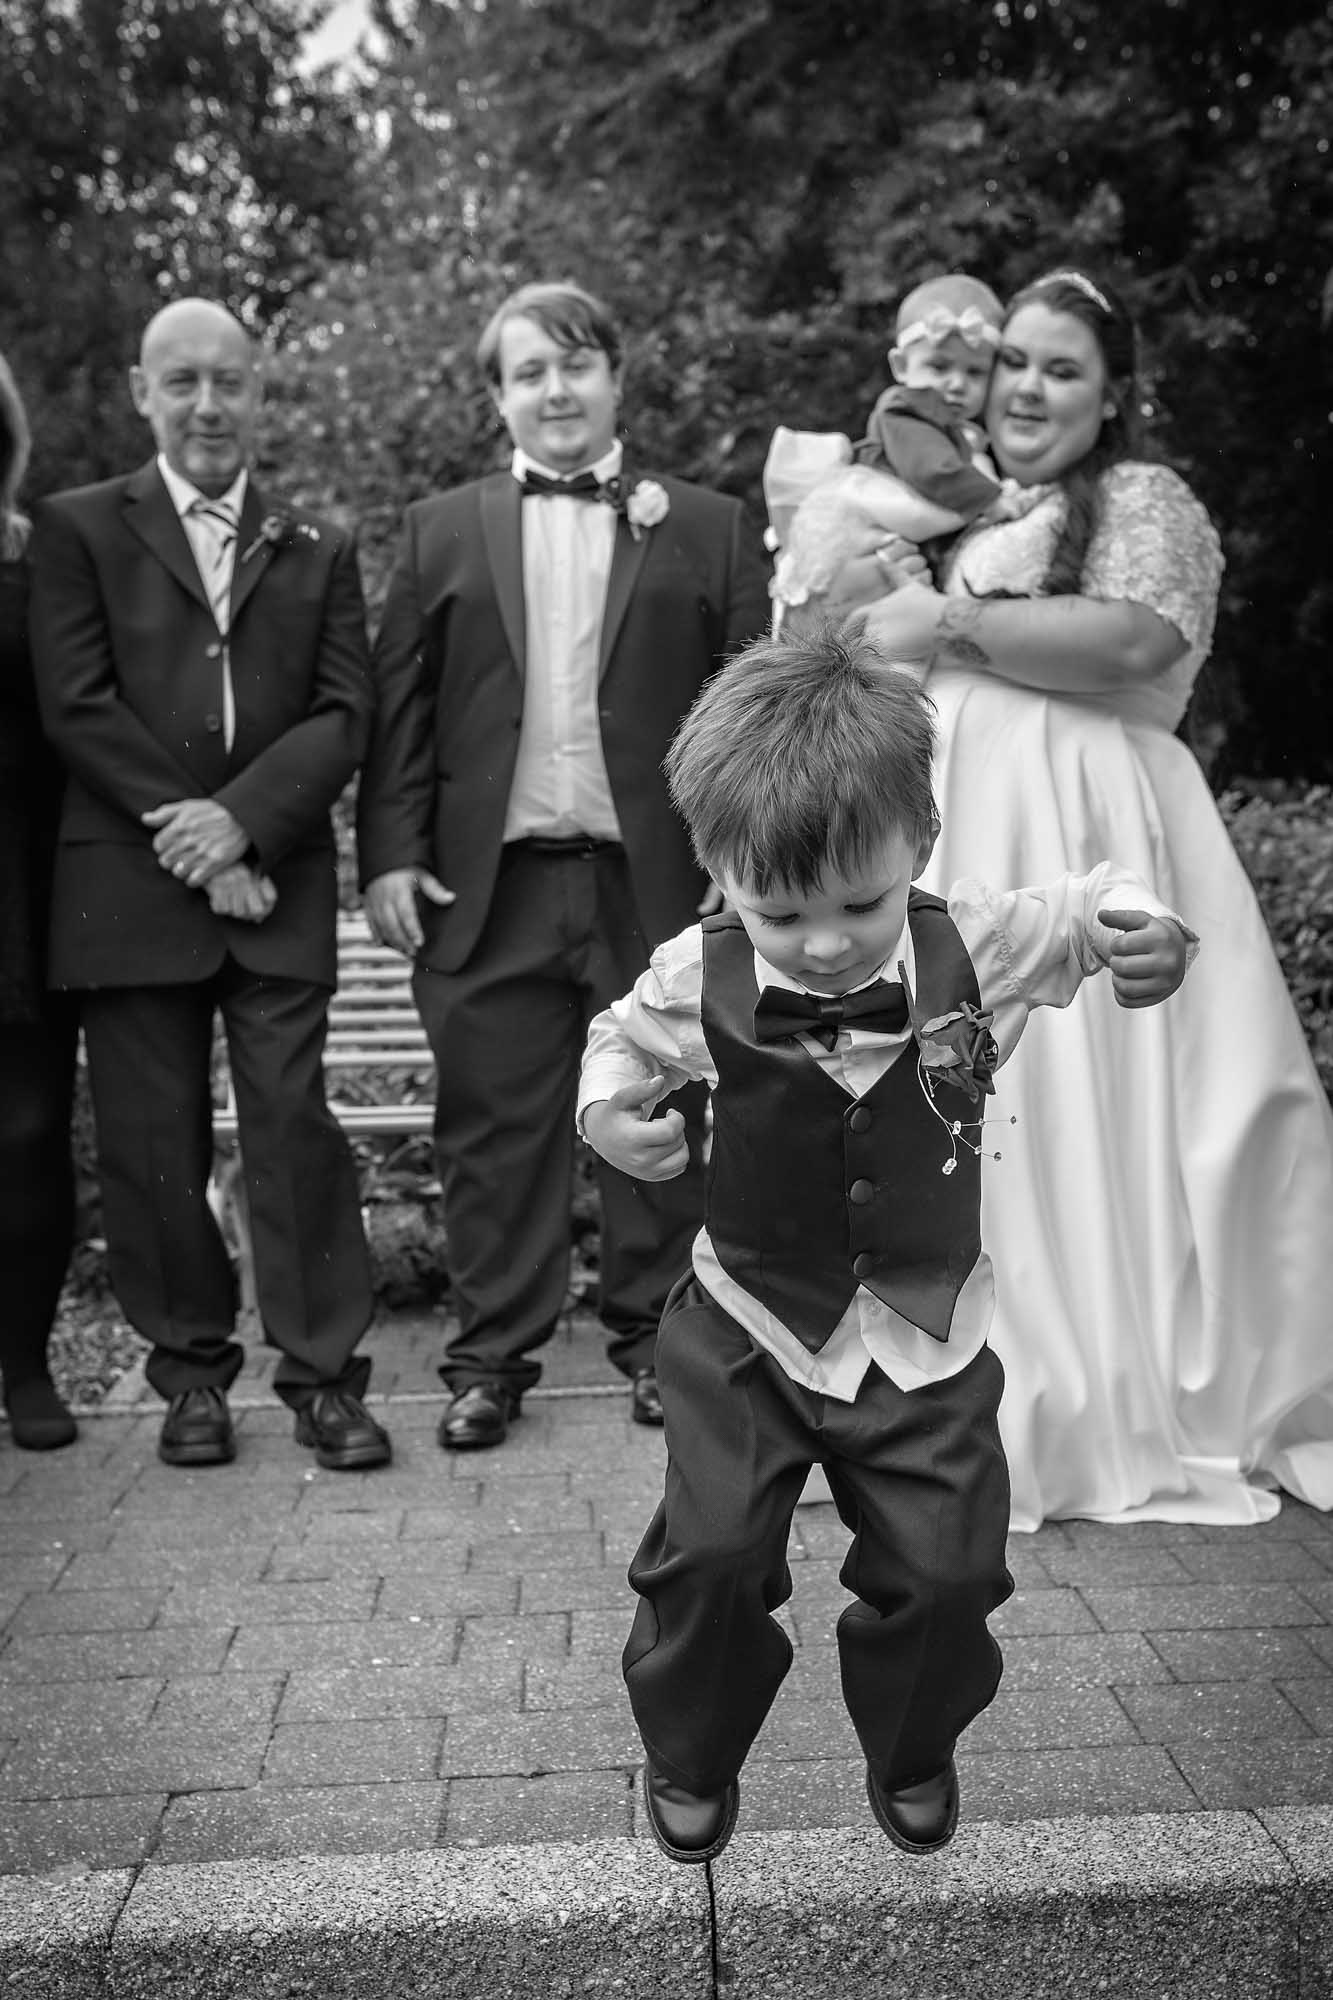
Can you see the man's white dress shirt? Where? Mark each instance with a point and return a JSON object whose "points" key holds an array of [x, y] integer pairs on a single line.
{"points": [[216, 570], [560, 782]]}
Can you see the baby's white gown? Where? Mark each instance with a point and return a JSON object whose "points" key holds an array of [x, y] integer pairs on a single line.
{"points": [[1161, 1221]]}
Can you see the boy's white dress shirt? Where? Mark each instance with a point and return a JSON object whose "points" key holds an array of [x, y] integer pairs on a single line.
{"points": [[1030, 948]]}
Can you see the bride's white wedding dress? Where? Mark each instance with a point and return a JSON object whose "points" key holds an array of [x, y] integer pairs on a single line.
{"points": [[1161, 1222]]}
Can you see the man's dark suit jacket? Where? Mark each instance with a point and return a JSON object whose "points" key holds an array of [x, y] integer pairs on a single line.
{"points": [[449, 666], [129, 671]]}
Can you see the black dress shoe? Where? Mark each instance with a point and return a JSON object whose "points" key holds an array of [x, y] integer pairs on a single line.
{"points": [[645, 1404], [917, 1818], [38, 1419], [478, 1417], [686, 1826], [197, 1429], [344, 1435]]}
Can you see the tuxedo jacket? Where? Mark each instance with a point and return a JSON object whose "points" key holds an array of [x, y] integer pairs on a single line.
{"points": [[449, 664], [129, 665]]}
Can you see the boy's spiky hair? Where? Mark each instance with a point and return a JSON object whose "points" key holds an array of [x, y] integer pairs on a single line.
{"points": [[803, 755]]}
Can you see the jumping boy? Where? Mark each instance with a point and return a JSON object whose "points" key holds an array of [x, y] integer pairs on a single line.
{"points": [[839, 1300]]}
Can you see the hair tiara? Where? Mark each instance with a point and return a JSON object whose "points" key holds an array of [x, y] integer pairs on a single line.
{"points": [[1081, 284]]}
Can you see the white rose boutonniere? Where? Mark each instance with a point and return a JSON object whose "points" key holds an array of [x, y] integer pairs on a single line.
{"points": [[646, 506], [279, 531]]}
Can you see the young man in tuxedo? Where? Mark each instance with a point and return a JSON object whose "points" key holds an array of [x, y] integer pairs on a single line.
{"points": [[202, 669], [546, 628]]}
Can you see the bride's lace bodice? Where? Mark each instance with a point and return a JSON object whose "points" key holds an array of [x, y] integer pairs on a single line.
{"points": [[1154, 546]]}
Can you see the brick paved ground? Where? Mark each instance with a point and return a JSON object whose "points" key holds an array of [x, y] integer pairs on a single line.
{"points": [[269, 1660]]}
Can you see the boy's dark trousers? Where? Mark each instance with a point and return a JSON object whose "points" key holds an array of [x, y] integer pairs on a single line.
{"points": [[921, 1481]]}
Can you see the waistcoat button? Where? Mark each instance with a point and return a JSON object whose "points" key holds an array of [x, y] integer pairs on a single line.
{"points": [[860, 1120], [863, 1266], [861, 1192], [213, 651]]}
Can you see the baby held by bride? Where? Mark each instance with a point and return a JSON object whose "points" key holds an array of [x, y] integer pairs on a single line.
{"points": [[920, 471]]}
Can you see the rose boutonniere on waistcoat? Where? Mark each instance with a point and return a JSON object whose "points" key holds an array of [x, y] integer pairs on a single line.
{"points": [[643, 505], [279, 531], [956, 1048]]}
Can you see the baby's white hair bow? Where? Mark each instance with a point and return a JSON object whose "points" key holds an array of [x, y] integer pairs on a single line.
{"points": [[971, 325]]}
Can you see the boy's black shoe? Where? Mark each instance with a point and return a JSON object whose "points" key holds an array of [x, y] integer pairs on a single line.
{"points": [[685, 1826], [917, 1818]]}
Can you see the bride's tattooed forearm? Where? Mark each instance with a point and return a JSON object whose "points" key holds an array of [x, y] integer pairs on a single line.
{"points": [[956, 634]]}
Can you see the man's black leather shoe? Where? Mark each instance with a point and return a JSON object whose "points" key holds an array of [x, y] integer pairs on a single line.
{"points": [[645, 1405], [685, 1826], [197, 1429], [342, 1432], [917, 1818], [38, 1419], [478, 1417]]}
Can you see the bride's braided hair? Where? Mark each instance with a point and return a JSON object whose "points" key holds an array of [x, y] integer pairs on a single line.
{"points": [[1107, 318]]}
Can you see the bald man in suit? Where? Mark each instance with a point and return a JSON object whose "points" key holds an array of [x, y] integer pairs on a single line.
{"points": [[202, 670]]}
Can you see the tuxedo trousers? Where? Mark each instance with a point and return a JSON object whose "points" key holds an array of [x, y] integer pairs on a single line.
{"points": [[149, 1063], [920, 1480], [561, 941], [36, 1180]]}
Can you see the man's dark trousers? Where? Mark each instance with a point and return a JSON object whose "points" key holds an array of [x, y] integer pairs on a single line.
{"points": [[149, 1060], [562, 940]]}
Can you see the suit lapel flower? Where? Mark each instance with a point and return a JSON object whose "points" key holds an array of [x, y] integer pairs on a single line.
{"points": [[956, 1048], [279, 530], [642, 505]]}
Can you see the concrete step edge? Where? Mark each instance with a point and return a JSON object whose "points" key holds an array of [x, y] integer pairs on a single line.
{"points": [[1178, 1905]]}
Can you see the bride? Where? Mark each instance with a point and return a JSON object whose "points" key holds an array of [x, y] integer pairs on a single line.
{"points": [[1162, 1219]]}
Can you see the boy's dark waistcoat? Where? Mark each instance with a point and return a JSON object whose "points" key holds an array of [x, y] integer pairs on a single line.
{"points": [[812, 1193]]}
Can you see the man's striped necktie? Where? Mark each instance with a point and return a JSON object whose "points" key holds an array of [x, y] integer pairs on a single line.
{"points": [[220, 523]]}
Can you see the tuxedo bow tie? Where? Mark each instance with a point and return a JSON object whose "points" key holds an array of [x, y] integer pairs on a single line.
{"points": [[583, 486], [881, 1006]]}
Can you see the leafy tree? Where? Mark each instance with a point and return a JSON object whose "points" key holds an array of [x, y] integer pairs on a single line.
{"points": [[752, 186], [755, 187], [152, 148]]}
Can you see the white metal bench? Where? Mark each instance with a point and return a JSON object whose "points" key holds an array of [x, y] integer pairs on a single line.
{"points": [[375, 1038]]}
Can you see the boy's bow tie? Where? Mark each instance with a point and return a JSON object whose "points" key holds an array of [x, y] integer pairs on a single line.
{"points": [[583, 486], [881, 1006]]}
